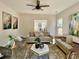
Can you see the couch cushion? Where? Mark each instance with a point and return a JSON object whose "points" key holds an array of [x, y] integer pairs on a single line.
{"points": [[69, 39], [65, 44], [76, 39], [19, 38], [1, 55]]}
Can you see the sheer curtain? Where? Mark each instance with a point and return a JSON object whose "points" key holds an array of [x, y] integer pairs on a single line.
{"points": [[60, 26]]}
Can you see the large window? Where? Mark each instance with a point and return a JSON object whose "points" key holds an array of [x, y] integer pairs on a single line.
{"points": [[74, 24], [60, 26], [40, 25]]}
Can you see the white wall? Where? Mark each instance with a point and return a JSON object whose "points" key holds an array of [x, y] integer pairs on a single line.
{"points": [[27, 20], [65, 16], [52, 25], [4, 33]]}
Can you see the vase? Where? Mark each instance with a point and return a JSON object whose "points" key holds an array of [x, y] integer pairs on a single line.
{"points": [[36, 46], [41, 46]]}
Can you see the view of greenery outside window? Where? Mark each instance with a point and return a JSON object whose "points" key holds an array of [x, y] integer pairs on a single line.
{"points": [[40, 25], [74, 24], [60, 26]]}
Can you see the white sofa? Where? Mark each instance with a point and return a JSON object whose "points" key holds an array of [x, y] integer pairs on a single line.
{"points": [[43, 39], [75, 39], [65, 47], [68, 45]]}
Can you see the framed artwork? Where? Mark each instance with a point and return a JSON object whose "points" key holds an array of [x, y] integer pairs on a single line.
{"points": [[6, 20], [15, 22]]}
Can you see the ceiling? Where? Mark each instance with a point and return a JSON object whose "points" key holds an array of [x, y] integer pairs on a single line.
{"points": [[56, 6]]}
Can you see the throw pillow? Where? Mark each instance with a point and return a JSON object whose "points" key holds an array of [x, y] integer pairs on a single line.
{"points": [[1, 55]]}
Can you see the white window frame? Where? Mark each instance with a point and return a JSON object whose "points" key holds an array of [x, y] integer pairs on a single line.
{"points": [[44, 25]]}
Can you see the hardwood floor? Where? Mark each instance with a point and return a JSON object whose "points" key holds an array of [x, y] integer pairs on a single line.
{"points": [[22, 53]]}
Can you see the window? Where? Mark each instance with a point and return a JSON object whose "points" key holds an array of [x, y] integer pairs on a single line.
{"points": [[60, 27], [40, 25]]}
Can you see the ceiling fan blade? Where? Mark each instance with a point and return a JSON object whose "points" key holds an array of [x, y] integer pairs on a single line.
{"points": [[30, 5], [44, 6], [33, 8], [41, 9]]}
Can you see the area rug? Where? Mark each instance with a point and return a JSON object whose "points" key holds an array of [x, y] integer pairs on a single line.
{"points": [[54, 53]]}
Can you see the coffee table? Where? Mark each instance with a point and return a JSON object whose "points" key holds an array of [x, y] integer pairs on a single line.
{"points": [[41, 53]]}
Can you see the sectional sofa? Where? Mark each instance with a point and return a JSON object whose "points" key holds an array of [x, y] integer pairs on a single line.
{"points": [[66, 45]]}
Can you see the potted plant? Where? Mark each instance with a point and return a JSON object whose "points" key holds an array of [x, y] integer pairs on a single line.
{"points": [[10, 41], [38, 43]]}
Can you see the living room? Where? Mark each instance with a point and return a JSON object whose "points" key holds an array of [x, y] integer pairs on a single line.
{"points": [[57, 16]]}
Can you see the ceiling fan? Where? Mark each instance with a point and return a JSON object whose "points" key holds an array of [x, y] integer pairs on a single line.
{"points": [[37, 6]]}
